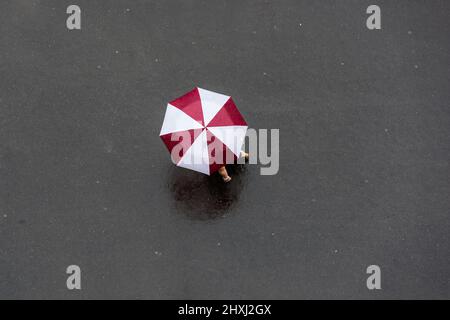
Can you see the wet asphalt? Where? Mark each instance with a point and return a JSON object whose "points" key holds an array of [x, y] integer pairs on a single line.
{"points": [[364, 172]]}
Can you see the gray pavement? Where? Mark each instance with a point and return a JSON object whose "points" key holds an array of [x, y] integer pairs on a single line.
{"points": [[364, 139]]}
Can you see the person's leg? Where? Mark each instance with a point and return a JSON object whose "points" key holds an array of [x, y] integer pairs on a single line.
{"points": [[224, 174]]}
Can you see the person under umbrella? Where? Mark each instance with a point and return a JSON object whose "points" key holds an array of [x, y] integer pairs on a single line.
{"points": [[204, 116]]}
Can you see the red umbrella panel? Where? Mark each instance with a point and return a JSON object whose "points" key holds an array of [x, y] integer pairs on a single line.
{"points": [[203, 130]]}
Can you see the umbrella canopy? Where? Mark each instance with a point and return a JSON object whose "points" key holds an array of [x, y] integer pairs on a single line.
{"points": [[203, 130]]}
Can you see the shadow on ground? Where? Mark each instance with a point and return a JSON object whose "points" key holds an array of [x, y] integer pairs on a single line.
{"points": [[201, 197]]}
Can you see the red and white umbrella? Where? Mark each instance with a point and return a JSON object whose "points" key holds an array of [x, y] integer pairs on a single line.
{"points": [[203, 130]]}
